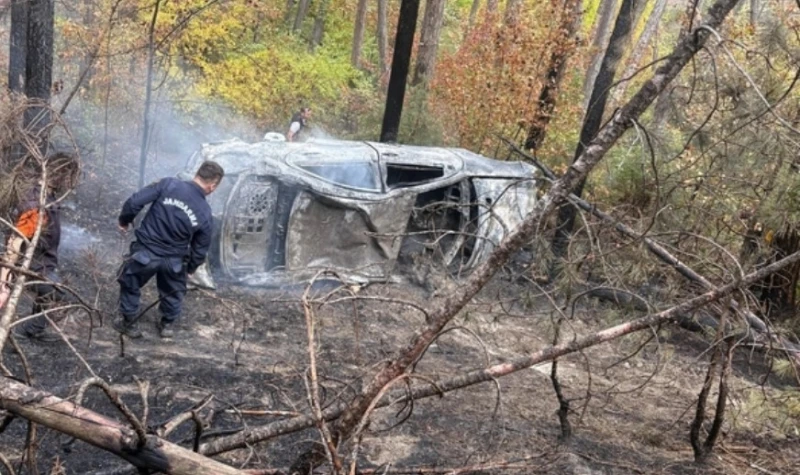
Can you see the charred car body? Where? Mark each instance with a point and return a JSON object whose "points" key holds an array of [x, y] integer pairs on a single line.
{"points": [[285, 211]]}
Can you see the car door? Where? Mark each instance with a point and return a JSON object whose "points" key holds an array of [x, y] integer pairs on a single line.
{"points": [[248, 226]]}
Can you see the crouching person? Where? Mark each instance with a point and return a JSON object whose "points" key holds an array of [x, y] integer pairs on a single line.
{"points": [[171, 243]]}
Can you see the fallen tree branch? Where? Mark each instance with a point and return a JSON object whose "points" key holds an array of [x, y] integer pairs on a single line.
{"points": [[58, 414], [168, 427], [756, 323], [7, 465]]}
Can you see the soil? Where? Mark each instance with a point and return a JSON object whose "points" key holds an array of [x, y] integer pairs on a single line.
{"points": [[248, 347]]}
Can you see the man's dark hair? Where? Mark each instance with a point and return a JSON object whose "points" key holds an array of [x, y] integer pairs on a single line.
{"points": [[210, 172], [305, 109]]}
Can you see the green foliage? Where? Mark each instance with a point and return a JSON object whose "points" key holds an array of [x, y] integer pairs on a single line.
{"points": [[270, 83], [774, 411]]}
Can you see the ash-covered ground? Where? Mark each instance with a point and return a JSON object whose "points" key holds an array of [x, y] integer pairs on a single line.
{"points": [[248, 348]]}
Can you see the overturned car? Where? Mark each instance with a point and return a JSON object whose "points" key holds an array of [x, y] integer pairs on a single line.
{"points": [[285, 211]]}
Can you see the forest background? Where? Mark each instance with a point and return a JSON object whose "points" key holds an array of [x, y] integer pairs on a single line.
{"points": [[711, 170]]}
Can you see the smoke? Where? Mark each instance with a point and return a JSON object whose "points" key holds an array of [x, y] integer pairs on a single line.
{"points": [[75, 238]]}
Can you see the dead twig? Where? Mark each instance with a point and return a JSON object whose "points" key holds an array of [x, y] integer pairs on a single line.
{"points": [[117, 401], [264, 412], [198, 431], [168, 427], [144, 389], [313, 382], [7, 465]]}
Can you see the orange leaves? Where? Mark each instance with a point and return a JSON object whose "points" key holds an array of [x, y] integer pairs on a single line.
{"points": [[491, 82]]}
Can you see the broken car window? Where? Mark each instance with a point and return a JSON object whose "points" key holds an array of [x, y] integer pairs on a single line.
{"points": [[400, 175]]}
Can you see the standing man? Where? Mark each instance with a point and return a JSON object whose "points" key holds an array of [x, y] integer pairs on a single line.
{"points": [[61, 176], [299, 122], [171, 242]]}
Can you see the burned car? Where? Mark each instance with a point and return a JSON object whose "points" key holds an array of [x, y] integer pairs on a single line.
{"points": [[285, 211]]}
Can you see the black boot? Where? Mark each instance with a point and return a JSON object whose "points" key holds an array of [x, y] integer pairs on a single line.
{"points": [[166, 329], [129, 329]]}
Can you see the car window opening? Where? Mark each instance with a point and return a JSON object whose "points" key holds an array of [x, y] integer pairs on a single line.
{"points": [[355, 175], [402, 175]]}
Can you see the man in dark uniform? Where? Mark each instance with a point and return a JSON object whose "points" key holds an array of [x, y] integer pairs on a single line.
{"points": [[60, 178], [171, 242], [298, 123]]}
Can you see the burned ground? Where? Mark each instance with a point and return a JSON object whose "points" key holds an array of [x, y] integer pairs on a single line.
{"points": [[248, 348]]}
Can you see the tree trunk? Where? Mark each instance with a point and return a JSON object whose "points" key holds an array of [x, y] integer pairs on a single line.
{"points": [[63, 416], [755, 12], [603, 29], [358, 33], [18, 46], [559, 52], [594, 117], [287, 16], [39, 61], [89, 56], [641, 46], [382, 37], [491, 7], [429, 41], [404, 41], [473, 11], [512, 12], [319, 24], [664, 103], [302, 10], [148, 91]]}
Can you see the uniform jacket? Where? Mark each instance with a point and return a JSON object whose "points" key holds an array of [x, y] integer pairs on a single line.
{"points": [[178, 223]]}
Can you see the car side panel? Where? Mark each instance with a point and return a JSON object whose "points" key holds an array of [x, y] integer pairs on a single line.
{"points": [[345, 234]]}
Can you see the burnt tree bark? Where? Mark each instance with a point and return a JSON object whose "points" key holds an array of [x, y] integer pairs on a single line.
{"points": [[404, 41], [18, 46], [429, 41], [641, 46], [559, 53], [600, 39], [358, 33], [722, 353], [30, 69], [39, 58], [593, 119]]}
